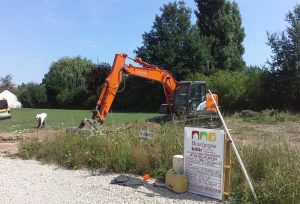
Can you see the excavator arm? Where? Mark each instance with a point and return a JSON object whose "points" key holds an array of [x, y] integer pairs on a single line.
{"points": [[147, 71]]}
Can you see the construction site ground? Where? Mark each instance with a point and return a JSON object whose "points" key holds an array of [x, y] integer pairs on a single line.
{"points": [[29, 181], [243, 133], [9, 140]]}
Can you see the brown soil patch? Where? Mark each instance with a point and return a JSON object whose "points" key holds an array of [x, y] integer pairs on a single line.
{"points": [[286, 133], [10, 148], [9, 141]]}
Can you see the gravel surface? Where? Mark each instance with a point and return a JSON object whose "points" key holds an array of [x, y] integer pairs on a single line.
{"points": [[28, 181]]}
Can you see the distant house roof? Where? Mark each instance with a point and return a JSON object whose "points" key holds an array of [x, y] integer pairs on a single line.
{"points": [[11, 98]]}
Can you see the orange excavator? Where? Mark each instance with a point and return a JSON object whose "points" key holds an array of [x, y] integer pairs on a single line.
{"points": [[186, 98]]}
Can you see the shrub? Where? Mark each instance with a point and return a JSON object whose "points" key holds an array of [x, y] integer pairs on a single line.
{"points": [[71, 98], [32, 95], [230, 87]]}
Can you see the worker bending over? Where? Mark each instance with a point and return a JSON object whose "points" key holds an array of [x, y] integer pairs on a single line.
{"points": [[41, 118]]}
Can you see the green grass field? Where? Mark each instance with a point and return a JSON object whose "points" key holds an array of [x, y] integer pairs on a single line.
{"points": [[58, 118]]}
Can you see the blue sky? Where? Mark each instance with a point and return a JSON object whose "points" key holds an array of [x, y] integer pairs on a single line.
{"points": [[36, 33]]}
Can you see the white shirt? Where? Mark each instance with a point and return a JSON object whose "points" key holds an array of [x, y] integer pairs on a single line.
{"points": [[202, 106], [41, 116]]}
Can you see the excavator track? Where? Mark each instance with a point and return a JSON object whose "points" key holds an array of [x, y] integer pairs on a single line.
{"points": [[202, 121]]}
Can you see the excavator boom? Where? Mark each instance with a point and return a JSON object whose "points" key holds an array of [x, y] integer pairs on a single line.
{"points": [[186, 98], [147, 71]]}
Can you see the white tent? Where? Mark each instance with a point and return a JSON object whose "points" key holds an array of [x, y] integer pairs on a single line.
{"points": [[11, 98]]}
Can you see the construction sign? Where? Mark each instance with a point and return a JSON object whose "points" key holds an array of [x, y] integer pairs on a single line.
{"points": [[204, 161]]}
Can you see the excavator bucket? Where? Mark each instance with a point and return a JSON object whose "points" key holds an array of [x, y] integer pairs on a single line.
{"points": [[86, 126]]}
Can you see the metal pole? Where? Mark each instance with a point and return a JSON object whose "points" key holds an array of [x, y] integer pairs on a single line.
{"points": [[234, 148]]}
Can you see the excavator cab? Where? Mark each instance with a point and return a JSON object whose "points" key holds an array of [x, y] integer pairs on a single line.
{"points": [[188, 97]]}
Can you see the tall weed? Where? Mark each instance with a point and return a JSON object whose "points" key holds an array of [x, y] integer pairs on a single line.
{"points": [[275, 172], [276, 118], [274, 169], [120, 151]]}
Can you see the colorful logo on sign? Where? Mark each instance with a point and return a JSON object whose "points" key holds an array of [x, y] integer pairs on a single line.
{"points": [[204, 135]]}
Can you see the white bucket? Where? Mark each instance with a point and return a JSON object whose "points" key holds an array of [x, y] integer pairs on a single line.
{"points": [[178, 164]]}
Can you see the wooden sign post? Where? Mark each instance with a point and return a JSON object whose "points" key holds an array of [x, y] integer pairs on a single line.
{"points": [[227, 166]]}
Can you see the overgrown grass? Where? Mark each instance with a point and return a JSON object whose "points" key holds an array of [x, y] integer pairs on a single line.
{"points": [[275, 170], [278, 117], [120, 151]]}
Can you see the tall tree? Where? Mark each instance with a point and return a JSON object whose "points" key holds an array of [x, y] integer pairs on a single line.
{"points": [[96, 77], [220, 25], [65, 75], [32, 95], [6, 82], [173, 43], [94, 80], [285, 63]]}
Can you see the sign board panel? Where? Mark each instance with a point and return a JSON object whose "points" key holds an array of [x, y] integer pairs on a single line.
{"points": [[204, 161], [146, 134]]}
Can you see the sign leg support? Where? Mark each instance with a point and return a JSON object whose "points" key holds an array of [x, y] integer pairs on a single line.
{"points": [[227, 167]]}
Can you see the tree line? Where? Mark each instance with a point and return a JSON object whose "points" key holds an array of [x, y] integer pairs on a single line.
{"points": [[210, 50]]}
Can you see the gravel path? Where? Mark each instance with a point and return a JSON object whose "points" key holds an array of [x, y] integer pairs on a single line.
{"points": [[28, 181]]}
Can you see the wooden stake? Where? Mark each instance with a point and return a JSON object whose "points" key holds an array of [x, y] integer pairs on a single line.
{"points": [[227, 167]]}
